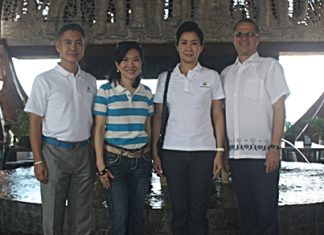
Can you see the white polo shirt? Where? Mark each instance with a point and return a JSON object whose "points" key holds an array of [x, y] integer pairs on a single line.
{"points": [[251, 88], [189, 99], [65, 101]]}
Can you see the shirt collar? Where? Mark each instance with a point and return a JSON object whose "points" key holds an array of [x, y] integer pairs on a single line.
{"points": [[120, 89], [253, 58], [197, 68], [66, 73]]}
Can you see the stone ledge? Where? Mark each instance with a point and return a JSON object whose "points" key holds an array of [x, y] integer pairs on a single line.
{"points": [[25, 218]]}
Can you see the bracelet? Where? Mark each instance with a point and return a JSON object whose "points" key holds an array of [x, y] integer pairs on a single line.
{"points": [[274, 146], [104, 171], [220, 150], [38, 162]]}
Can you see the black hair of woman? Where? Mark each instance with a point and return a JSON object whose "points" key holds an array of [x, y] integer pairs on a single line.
{"points": [[120, 52], [190, 26]]}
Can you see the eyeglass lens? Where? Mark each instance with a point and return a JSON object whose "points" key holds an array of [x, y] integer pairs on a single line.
{"points": [[247, 34]]}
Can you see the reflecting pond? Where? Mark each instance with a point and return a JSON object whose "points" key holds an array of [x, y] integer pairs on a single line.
{"points": [[300, 183]]}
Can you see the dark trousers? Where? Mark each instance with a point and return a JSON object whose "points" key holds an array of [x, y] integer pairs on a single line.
{"points": [[257, 194], [189, 176]]}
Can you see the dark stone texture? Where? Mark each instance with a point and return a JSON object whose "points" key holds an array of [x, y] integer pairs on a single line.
{"points": [[25, 218]]}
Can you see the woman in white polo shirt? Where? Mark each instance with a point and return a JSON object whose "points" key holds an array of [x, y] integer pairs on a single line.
{"points": [[192, 148], [123, 110]]}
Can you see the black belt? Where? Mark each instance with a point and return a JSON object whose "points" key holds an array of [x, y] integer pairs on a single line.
{"points": [[64, 144]]}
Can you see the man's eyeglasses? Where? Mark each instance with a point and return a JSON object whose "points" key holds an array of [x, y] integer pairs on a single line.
{"points": [[242, 34]]}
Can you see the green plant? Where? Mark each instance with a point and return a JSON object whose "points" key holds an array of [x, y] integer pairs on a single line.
{"points": [[290, 133], [21, 127], [290, 129]]}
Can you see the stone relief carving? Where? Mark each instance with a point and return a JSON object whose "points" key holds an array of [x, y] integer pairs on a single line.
{"points": [[28, 22]]}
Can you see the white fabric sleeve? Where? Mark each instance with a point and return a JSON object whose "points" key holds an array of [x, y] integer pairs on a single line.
{"points": [[276, 84], [37, 102], [158, 96]]}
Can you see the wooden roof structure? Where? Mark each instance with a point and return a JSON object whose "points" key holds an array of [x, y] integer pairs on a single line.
{"points": [[303, 124], [28, 29], [33, 23], [12, 95]]}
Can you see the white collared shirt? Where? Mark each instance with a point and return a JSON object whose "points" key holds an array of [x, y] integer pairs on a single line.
{"points": [[189, 99], [251, 88], [65, 101]]}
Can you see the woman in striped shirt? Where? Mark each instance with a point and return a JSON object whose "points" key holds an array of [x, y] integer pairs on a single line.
{"points": [[123, 110]]}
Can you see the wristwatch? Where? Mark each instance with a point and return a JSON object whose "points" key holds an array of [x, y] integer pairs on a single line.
{"points": [[274, 146]]}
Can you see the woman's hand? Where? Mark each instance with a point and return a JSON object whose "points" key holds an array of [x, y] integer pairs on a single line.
{"points": [[218, 165], [157, 165], [105, 179]]}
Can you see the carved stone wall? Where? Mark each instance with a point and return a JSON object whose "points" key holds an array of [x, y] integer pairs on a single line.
{"points": [[30, 22]]}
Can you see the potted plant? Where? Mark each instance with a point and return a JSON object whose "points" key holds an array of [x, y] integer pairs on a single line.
{"points": [[21, 129]]}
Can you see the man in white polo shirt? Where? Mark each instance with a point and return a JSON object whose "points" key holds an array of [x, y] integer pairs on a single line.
{"points": [[255, 91], [60, 108]]}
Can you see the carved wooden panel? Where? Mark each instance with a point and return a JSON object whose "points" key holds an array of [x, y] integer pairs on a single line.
{"points": [[12, 95], [29, 22]]}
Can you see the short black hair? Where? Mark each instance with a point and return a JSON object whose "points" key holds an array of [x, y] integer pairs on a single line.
{"points": [[123, 47], [120, 52], [249, 21], [70, 26], [190, 26]]}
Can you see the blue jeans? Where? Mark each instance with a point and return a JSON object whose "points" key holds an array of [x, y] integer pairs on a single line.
{"points": [[127, 193]]}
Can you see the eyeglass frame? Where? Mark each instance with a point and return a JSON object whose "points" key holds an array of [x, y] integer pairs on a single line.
{"points": [[247, 34]]}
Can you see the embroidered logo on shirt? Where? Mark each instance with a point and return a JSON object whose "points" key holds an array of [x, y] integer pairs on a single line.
{"points": [[204, 84], [89, 89]]}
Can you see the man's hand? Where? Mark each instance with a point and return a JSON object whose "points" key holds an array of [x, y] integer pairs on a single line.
{"points": [[41, 172], [272, 160]]}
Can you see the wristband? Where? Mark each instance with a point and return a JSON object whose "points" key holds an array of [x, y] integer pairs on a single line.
{"points": [[38, 162], [104, 171], [220, 150]]}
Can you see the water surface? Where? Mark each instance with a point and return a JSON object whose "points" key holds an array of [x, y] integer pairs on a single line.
{"points": [[300, 183]]}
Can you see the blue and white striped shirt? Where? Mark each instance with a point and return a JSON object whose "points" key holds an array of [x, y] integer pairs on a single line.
{"points": [[126, 114]]}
